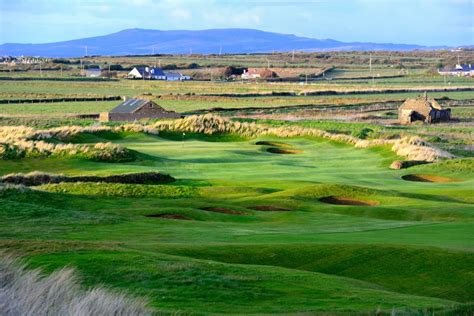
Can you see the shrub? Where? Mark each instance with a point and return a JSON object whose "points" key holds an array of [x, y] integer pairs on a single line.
{"points": [[116, 67], [363, 133], [170, 67], [193, 66]]}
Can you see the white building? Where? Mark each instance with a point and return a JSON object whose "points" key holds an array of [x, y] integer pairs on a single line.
{"points": [[151, 73]]}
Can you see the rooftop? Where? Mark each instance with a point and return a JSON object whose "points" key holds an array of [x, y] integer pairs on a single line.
{"points": [[129, 106]]}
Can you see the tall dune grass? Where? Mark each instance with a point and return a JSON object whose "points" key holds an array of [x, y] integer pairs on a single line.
{"points": [[29, 292], [29, 141], [21, 141]]}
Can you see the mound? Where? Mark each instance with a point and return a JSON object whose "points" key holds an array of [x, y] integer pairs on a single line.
{"points": [[274, 144], [276, 150], [402, 164], [428, 178], [221, 210], [39, 178], [344, 200], [268, 208], [170, 216]]}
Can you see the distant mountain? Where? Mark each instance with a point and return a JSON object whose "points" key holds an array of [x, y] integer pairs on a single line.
{"points": [[142, 41]]}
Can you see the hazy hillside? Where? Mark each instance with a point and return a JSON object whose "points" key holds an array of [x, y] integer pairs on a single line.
{"points": [[142, 41]]}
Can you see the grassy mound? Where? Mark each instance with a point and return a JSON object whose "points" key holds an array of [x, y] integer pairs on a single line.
{"points": [[218, 137], [416, 270], [284, 151], [272, 144], [344, 200], [268, 208], [203, 287], [428, 178], [39, 178], [223, 210], [318, 191], [124, 190], [170, 216]]}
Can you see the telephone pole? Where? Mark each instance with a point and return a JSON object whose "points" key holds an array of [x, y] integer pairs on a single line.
{"points": [[370, 63], [370, 67]]}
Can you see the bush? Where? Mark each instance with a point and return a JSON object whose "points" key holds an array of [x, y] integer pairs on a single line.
{"points": [[91, 66], [170, 67], [363, 133], [193, 66], [116, 67]]}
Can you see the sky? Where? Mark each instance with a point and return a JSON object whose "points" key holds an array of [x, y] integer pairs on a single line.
{"points": [[424, 22]]}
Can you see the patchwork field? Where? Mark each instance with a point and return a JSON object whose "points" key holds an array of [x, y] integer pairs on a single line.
{"points": [[245, 230]]}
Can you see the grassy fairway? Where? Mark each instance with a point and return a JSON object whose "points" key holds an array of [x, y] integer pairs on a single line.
{"points": [[410, 248]]}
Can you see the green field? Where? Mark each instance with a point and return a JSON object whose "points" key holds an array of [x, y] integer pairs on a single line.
{"points": [[411, 252], [189, 104]]}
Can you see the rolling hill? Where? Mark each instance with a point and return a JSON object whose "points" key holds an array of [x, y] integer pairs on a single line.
{"points": [[143, 41]]}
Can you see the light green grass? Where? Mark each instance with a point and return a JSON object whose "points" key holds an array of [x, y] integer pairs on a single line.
{"points": [[58, 109]]}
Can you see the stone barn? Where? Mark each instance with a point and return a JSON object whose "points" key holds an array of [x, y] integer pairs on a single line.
{"points": [[422, 109], [136, 109]]}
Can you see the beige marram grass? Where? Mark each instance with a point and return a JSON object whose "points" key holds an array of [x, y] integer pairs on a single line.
{"points": [[30, 140], [30, 292]]}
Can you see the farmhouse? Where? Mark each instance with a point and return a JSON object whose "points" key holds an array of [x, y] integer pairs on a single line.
{"points": [[251, 73], [92, 72], [459, 70], [151, 73], [136, 109], [176, 76], [255, 73], [422, 109]]}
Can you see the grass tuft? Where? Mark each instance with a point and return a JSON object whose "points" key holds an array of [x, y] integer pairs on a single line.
{"points": [[27, 292]]}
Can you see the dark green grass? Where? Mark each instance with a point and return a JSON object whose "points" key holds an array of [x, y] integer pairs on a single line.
{"points": [[416, 270], [212, 287]]}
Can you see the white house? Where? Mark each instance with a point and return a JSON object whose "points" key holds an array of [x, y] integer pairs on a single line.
{"points": [[251, 73], [459, 70], [92, 72], [151, 73], [176, 76]]}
